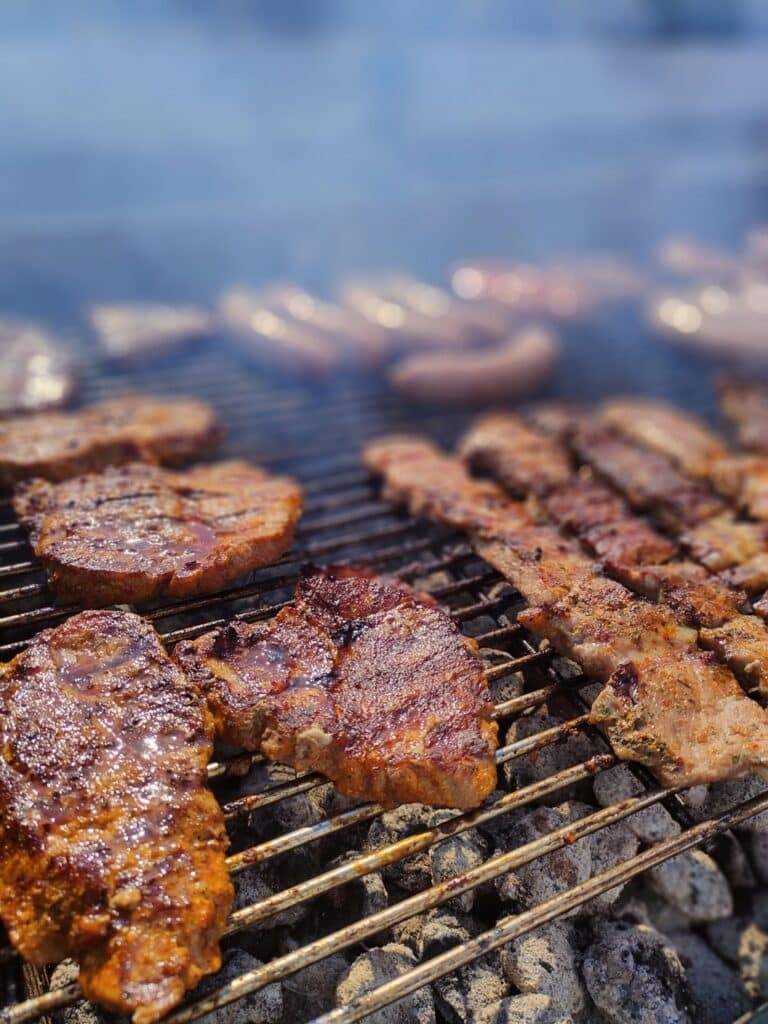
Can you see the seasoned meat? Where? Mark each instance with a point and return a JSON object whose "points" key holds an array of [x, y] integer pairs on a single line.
{"points": [[737, 550], [745, 479], [649, 481], [744, 404], [57, 446], [36, 371], [138, 331], [680, 436], [525, 461], [111, 846], [138, 532], [741, 642], [697, 597], [364, 680], [602, 521], [665, 703]]}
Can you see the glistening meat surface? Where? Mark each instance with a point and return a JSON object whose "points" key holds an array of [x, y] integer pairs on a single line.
{"points": [[665, 703], [111, 846], [362, 679], [139, 532]]}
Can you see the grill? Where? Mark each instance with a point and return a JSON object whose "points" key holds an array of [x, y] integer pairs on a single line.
{"points": [[315, 433]]}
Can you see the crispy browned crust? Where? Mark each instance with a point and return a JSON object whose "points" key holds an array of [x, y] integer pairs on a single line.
{"points": [[650, 482], [111, 845], [524, 460], [679, 436], [138, 532], [665, 702], [364, 680], [744, 478], [735, 549], [58, 446]]}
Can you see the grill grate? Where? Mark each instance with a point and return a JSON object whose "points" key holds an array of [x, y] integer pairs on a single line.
{"points": [[316, 432]]}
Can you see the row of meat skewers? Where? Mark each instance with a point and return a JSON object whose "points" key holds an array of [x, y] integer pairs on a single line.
{"points": [[113, 849]]}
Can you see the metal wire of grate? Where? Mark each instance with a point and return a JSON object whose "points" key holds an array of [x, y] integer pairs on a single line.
{"points": [[315, 432]]}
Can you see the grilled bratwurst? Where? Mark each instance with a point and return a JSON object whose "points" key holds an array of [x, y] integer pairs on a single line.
{"points": [[139, 532]]}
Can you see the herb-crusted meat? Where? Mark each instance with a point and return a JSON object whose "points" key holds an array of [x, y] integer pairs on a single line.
{"points": [[362, 679], [111, 846], [57, 446], [139, 532]]}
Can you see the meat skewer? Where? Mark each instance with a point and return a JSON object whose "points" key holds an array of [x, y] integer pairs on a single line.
{"points": [[135, 533], [620, 540], [362, 679], [57, 446], [744, 403], [664, 702], [112, 848]]}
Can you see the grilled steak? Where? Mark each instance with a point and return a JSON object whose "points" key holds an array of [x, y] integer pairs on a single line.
{"points": [[744, 478], [57, 446], [111, 846], [525, 461], [364, 680], [35, 370], [130, 332], [744, 404], [665, 703], [138, 532], [660, 427]]}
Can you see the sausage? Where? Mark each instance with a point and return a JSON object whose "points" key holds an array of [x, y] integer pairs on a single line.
{"points": [[517, 366]]}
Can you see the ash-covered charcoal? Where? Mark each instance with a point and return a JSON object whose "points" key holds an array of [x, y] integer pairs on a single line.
{"points": [[375, 968], [525, 1009], [659, 912], [505, 687], [464, 996], [718, 995], [453, 857], [312, 991], [64, 974], [413, 873], [554, 758], [694, 884], [262, 1007], [257, 884], [478, 626], [547, 876], [544, 962], [744, 944], [634, 976], [358, 899], [443, 929], [651, 824], [612, 845]]}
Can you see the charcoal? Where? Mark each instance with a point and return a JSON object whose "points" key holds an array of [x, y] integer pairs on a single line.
{"points": [[651, 824], [358, 899], [660, 912], [756, 844], [444, 929], [731, 855], [257, 884], [723, 796], [414, 873], [544, 962], [610, 846], [544, 763], [507, 687], [462, 997], [453, 857], [526, 1009], [634, 976], [81, 1013], [548, 876], [262, 1007], [716, 989], [312, 991], [694, 884], [381, 965], [476, 627], [410, 933], [744, 943]]}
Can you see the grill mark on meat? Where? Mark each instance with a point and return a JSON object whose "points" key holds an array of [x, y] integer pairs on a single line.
{"points": [[362, 679], [58, 446], [112, 849], [688, 719], [138, 532]]}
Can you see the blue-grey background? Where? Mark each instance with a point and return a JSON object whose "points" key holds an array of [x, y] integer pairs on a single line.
{"points": [[163, 149]]}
